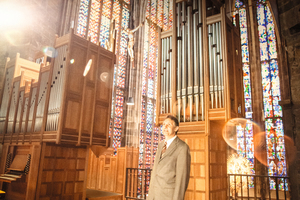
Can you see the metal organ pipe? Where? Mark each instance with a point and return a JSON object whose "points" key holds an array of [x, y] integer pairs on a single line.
{"points": [[214, 61], [41, 102], [167, 74], [221, 66], [184, 61], [162, 78], [219, 101], [31, 109], [201, 70], [5, 98], [163, 75], [179, 61], [26, 104], [190, 61], [210, 65], [17, 125], [196, 59], [13, 106], [57, 84], [170, 72], [190, 71]]}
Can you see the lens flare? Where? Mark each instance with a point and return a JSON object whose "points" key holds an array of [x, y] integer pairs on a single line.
{"points": [[237, 130], [104, 76], [261, 150], [50, 52]]}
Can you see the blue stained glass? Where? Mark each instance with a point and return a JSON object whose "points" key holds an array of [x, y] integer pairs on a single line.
{"points": [[261, 15], [268, 107], [245, 139], [245, 53], [150, 88], [125, 18], [243, 18], [265, 73], [244, 36], [279, 127], [275, 79], [262, 34], [264, 51], [271, 35], [238, 4], [276, 107]]}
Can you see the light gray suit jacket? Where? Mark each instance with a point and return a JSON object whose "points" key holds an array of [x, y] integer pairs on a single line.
{"points": [[170, 175]]}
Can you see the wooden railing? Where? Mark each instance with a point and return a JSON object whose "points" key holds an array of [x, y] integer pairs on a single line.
{"points": [[137, 183], [257, 187]]}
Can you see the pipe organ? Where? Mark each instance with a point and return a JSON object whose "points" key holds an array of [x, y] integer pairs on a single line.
{"points": [[44, 109], [54, 111], [200, 73], [201, 64], [190, 62], [166, 105]]}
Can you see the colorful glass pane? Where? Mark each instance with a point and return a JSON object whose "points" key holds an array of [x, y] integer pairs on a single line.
{"points": [[271, 91], [245, 53], [160, 13], [238, 4], [275, 78], [244, 37], [266, 80], [240, 141], [166, 15], [245, 146], [82, 17], [170, 14], [153, 11], [116, 17], [94, 20], [243, 18]]}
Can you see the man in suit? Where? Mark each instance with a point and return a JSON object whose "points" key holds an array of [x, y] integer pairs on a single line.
{"points": [[171, 170]]}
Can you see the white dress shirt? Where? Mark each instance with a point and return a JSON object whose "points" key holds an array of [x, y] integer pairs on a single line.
{"points": [[170, 141]]}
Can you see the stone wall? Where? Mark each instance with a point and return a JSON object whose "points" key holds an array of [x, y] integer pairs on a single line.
{"points": [[289, 17]]}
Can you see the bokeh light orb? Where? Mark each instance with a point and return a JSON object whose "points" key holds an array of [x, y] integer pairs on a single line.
{"points": [[237, 128], [50, 52], [104, 76], [261, 151]]}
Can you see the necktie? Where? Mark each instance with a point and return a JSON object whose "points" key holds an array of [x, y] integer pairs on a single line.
{"points": [[163, 150]]}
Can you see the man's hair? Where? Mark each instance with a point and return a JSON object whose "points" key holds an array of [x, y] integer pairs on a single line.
{"points": [[174, 119]]}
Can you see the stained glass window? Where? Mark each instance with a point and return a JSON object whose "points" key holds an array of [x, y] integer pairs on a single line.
{"points": [[160, 12], [149, 134], [157, 16], [271, 95], [94, 20], [105, 22], [245, 146], [82, 17]]}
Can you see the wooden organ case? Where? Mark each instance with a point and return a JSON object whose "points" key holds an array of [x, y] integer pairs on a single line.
{"points": [[51, 113], [201, 83]]}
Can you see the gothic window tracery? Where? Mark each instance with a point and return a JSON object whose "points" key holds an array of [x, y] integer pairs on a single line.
{"points": [[274, 132]]}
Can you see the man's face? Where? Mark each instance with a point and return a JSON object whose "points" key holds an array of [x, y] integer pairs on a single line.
{"points": [[169, 128]]}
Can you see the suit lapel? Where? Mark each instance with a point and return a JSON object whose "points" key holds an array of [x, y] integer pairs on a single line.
{"points": [[170, 149]]}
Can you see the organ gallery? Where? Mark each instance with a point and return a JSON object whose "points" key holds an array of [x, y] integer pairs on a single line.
{"points": [[87, 84]]}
